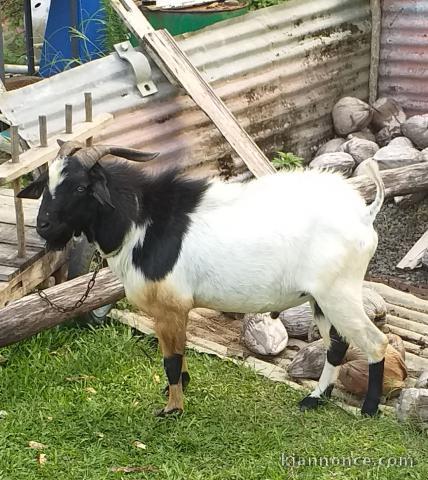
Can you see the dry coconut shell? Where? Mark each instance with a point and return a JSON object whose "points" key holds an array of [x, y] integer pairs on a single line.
{"points": [[401, 141], [354, 374], [297, 320], [384, 136], [395, 156], [263, 335], [374, 306], [397, 342], [413, 405], [338, 162], [387, 113], [366, 134], [351, 114], [309, 361], [416, 128], [422, 381], [360, 149], [333, 145]]}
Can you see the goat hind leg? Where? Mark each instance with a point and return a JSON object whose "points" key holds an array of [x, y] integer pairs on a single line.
{"points": [[336, 350]]}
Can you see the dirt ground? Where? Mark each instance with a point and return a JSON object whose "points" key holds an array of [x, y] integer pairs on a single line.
{"points": [[399, 228]]}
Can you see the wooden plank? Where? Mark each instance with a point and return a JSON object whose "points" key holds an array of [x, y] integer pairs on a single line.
{"points": [[27, 280], [7, 273], [8, 235], [413, 258], [9, 258], [170, 58], [38, 156]]}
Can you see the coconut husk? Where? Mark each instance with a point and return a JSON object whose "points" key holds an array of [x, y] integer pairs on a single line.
{"points": [[395, 156], [360, 149], [413, 406], [401, 142], [309, 361], [384, 136], [416, 128], [366, 134], [332, 146], [338, 162], [263, 335], [354, 374], [297, 320], [351, 114], [387, 113]]}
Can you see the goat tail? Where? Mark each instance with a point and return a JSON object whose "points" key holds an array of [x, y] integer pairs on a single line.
{"points": [[371, 169]]}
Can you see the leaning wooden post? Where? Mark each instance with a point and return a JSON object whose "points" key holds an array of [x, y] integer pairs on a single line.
{"points": [[88, 115], [19, 212]]}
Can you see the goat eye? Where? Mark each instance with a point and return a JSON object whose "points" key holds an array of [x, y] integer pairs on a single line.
{"points": [[81, 188]]}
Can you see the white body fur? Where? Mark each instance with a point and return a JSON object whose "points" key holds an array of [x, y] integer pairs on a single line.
{"points": [[267, 245]]}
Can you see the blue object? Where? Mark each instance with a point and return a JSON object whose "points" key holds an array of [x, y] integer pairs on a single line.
{"points": [[66, 46]]}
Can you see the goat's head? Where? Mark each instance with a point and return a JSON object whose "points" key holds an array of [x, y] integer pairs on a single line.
{"points": [[73, 187]]}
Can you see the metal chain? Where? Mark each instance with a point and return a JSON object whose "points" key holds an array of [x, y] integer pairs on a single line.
{"points": [[82, 299]]}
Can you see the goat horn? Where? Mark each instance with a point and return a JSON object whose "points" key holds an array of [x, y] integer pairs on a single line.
{"points": [[90, 156]]}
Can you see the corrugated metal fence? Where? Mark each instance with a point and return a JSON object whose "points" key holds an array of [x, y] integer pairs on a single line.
{"points": [[280, 70], [403, 69]]}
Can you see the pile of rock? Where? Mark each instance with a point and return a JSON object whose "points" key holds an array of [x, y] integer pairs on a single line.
{"points": [[380, 131]]}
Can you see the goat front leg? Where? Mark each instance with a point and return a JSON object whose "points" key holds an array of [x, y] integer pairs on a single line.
{"points": [[185, 377], [171, 331]]}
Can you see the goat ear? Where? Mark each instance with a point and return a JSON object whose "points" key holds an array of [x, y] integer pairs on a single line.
{"points": [[99, 186], [60, 142], [35, 189]]}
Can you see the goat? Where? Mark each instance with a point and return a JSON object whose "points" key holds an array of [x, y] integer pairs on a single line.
{"points": [[267, 245]]}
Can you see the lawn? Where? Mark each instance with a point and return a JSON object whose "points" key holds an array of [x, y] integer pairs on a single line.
{"points": [[88, 396]]}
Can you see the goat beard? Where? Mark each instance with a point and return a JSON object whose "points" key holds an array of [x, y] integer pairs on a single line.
{"points": [[60, 242]]}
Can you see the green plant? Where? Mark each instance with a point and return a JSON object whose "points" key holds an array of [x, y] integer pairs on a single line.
{"points": [[257, 4], [287, 161]]}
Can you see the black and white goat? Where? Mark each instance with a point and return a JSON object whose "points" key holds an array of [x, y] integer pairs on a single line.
{"points": [[266, 245]]}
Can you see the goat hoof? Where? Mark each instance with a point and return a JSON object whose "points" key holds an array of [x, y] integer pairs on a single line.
{"points": [[310, 403], [176, 412], [370, 408]]}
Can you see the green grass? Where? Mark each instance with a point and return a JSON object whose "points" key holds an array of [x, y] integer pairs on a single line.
{"points": [[236, 424]]}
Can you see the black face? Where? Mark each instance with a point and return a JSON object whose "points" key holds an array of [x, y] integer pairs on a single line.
{"points": [[69, 206]]}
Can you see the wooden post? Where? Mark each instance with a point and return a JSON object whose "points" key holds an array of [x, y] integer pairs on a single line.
{"points": [[88, 115], [174, 63], [69, 118], [43, 131], [19, 211]]}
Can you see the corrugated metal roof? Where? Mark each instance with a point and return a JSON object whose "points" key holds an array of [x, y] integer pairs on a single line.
{"points": [[279, 70], [403, 69]]}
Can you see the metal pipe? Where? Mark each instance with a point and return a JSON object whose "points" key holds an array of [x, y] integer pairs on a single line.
{"points": [[29, 41], [18, 69]]}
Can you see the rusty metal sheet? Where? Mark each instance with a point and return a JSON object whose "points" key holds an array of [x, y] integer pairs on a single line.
{"points": [[403, 69], [280, 70]]}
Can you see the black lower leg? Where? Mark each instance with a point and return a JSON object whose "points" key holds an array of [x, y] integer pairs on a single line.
{"points": [[172, 366], [335, 355], [337, 350], [375, 387]]}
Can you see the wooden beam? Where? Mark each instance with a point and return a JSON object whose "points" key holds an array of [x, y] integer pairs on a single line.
{"points": [[174, 62], [30, 315], [38, 156], [397, 181], [413, 258]]}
